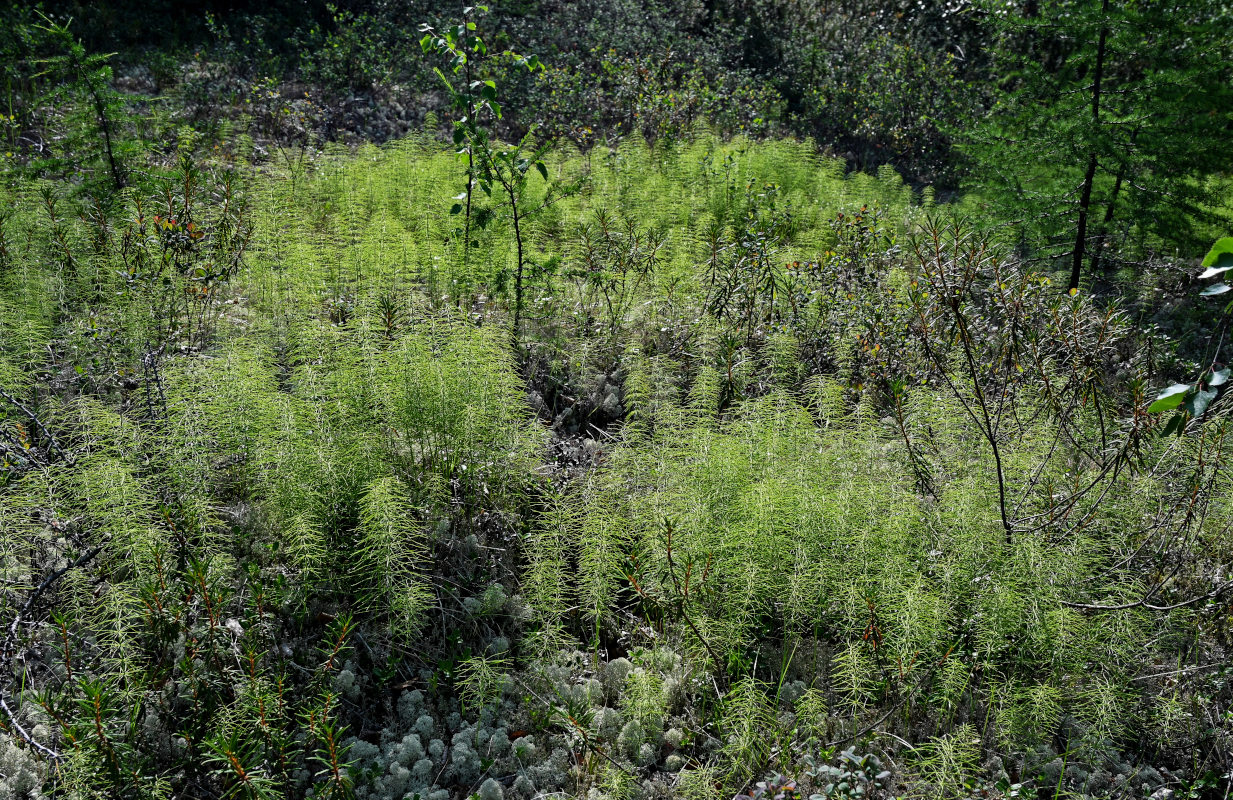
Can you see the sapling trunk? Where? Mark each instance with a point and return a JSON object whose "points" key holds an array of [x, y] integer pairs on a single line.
{"points": [[470, 106], [513, 201], [1089, 177], [104, 123], [1098, 250]]}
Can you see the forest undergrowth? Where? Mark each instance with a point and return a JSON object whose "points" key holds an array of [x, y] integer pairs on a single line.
{"points": [[725, 472]]}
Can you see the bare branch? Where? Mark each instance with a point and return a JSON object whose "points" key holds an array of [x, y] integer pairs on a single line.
{"points": [[34, 418], [24, 735], [9, 646], [1142, 602]]}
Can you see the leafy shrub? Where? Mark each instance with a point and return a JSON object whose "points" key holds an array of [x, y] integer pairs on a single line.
{"points": [[854, 776], [352, 53]]}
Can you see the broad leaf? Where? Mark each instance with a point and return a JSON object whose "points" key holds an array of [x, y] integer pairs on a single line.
{"points": [[1170, 398], [1199, 402], [1212, 291], [1221, 254], [1219, 377]]}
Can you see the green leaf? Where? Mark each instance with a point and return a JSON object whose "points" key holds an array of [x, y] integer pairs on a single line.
{"points": [[1221, 254], [1176, 425], [1170, 398], [543, 171], [1219, 377], [1212, 291], [1212, 272], [456, 209], [1199, 402]]}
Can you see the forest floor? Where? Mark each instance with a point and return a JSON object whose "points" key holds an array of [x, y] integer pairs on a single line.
{"points": [[724, 464]]}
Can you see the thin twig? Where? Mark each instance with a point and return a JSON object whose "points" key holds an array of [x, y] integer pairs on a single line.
{"points": [[680, 602], [906, 696], [8, 646], [11, 636], [1142, 602], [1186, 671], [37, 422], [24, 735]]}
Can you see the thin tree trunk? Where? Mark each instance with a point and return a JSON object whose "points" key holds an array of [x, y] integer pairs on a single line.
{"points": [[989, 428], [105, 124], [1098, 252], [1085, 198], [1085, 201], [1098, 249], [518, 275], [466, 227]]}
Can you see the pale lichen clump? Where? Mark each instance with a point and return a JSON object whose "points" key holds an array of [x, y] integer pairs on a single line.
{"points": [[21, 774]]}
